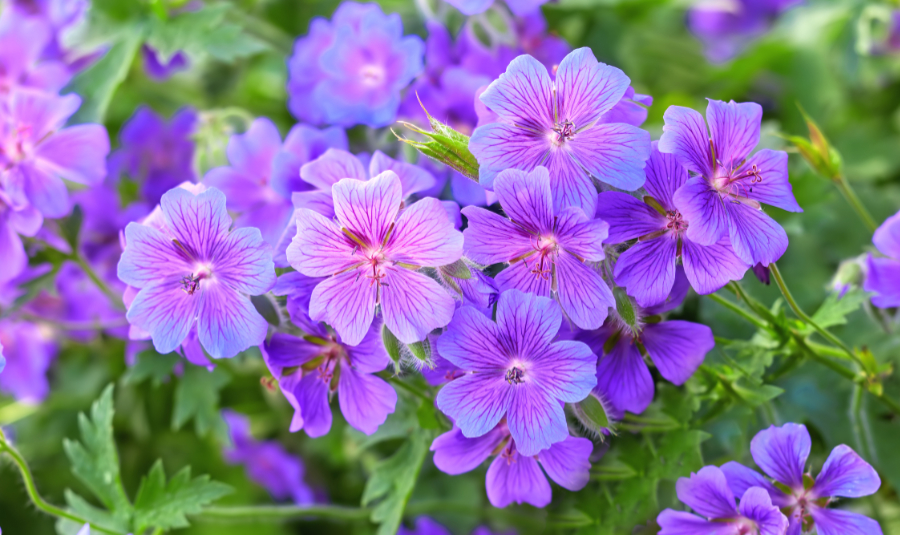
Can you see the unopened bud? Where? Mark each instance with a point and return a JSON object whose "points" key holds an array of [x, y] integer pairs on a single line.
{"points": [[593, 414], [625, 308], [817, 151], [445, 145], [850, 274]]}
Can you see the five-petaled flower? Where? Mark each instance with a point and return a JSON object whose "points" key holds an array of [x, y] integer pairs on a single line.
{"points": [[549, 249], [192, 270], [558, 124], [371, 257], [514, 369], [725, 196]]}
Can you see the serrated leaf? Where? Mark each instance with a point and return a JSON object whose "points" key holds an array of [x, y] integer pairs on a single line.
{"points": [[151, 365], [197, 398], [203, 31], [163, 506], [392, 481], [97, 517], [97, 84], [835, 309]]}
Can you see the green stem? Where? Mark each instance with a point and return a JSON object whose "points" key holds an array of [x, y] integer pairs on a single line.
{"points": [[847, 191], [281, 513], [31, 489], [779, 280], [114, 298], [406, 386], [737, 310], [859, 424]]}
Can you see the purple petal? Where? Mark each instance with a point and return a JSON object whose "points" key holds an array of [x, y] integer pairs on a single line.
{"points": [[525, 197], [13, 252], [568, 462], [42, 111], [772, 185], [526, 323], [681, 523], [677, 347], [46, 192], [522, 95], [413, 304], [740, 479], [369, 356], [368, 209], [311, 394], [581, 236], [149, 256], [199, 222], [288, 351], [476, 402], [676, 296], [347, 303], [586, 88], [845, 474], [781, 452], [734, 130], [755, 236], [77, 153], [500, 146], [227, 322], [518, 479], [883, 279], [623, 377], [455, 454], [708, 268], [566, 370], [837, 522], [685, 136], [571, 184], [582, 292], [647, 269], [242, 191], [707, 493], [887, 237], [246, 262], [490, 238], [253, 151], [664, 176], [757, 506], [704, 209], [166, 312], [627, 216], [613, 153], [522, 276], [332, 167], [413, 178], [424, 236], [471, 342], [365, 400], [320, 249]]}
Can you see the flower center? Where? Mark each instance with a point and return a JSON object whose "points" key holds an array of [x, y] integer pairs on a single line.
{"points": [[675, 221], [548, 249], [191, 283], [15, 148], [515, 375], [373, 75], [565, 131]]}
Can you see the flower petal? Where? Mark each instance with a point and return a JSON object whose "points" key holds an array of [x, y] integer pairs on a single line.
{"points": [[368, 209], [413, 304], [623, 377], [613, 153], [681, 523], [424, 236], [526, 323], [755, 236], [568, 462], [517, 479], [710, 267], [580, 235], [522, 95], [522, 275], [734, 130], [365, 400], [685, 136], [165, 311], [491, 238], [887, 237], [347, 303], [253, 151], [627, 216], [704, 210], [582, 292], [199, 222], [838, 522], [566, 370], [647, 269], [664, 176], [740, 479], [455, 454], [476, 402], [471, 342], [526, 199], [757, 506], [413, 178], [77, 153], [781, 452], [500, 146], [311, 393], [586, 88], [677, 347], [707, 493], [320, 249], [845, 474], [288, 351], [227, 322], [772, 185], [149, 256], [332, 167], [246, 262], [883, 279]]}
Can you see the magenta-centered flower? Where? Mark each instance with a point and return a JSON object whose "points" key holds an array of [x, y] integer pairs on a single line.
{"points": [[514, 369], [549, 249], [372, 255], [724, 197], [707, 493], [647, 268], [513, 476], [782, 452], [192, 270], [557, 123]]}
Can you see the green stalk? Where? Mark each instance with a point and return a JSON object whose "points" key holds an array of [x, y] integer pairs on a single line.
{"points": [[114, 298], [847, 191], [281, 513], [738, 310]]}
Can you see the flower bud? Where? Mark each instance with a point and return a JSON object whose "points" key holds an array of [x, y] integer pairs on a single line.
{"points": [[850, 274], [445, 145], [595, 415], [816, 150]]}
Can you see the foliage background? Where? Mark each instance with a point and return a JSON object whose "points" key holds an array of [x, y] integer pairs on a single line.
{"points": [[810, 57]]}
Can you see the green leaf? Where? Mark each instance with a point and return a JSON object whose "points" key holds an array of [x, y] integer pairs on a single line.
{"points": [[70, 227], [203, 31], [197, 398], [392, 482], [151, 365], [834, 310], [96, 516], [266, 308], [95, 461], [163, 506], [97, 84]]}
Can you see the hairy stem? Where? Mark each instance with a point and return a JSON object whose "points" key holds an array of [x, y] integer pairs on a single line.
{"points": [[114, 298], [738, 310], [847, 191]]}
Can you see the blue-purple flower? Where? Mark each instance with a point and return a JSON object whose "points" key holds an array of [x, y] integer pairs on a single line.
{"points": [[707, 493], [781, 453], [557, 123], [725, 28], [159, 70], [883, 278], [549, 249], [372, 254], [514, 476], [647, 268], [264, 173], [267, 463], [352, 70], [193, 270], [427, 526], [29, 350], [15, 220], [515, 370], [23, 39], [724, 196]]}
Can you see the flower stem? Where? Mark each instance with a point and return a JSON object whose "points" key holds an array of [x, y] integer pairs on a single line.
{"points": [[114, 298], [281, 513], [847, 191], [737, 310], [6, 447]]}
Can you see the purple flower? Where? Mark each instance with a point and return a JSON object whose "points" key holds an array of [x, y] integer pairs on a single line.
{"points": [[647, 268], [371, 256], [264, 173], [549, 248], [557, 124], [474, 7], [266, 462], [707, 493], [159, 71], [306, 369], [23, 39], [781, 453], [15, 220], [29, 350], [676, 347], [514, 370], [37, 152], [352, 70], [427, 526], [883, 278], [726, 28], [196, 271], [725, 195], [514, 476], [156, 154]]}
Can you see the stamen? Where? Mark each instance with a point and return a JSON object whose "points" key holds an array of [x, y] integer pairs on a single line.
{"points": [[515, 375], [191, 283]]}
